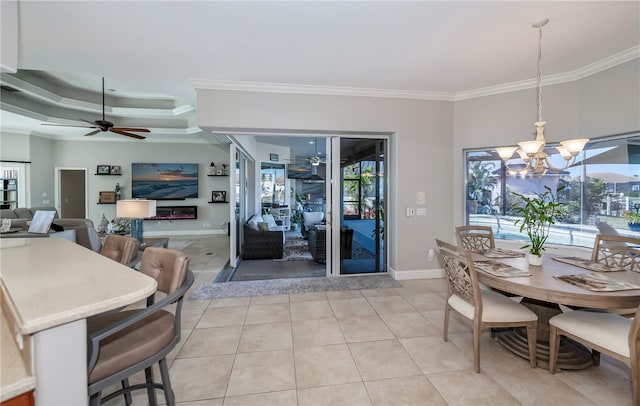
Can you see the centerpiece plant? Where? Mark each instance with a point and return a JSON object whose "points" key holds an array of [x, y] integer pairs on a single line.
{"points": [[538, 213]]}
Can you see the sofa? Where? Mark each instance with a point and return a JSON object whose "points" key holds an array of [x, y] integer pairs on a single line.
{"points": [[85, 231], [263, 238]]}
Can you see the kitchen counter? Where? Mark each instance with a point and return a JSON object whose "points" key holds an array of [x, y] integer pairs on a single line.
{"points": [[50, 287]]}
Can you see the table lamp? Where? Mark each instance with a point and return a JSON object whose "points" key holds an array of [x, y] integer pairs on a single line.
{"points": [[136, 210]]}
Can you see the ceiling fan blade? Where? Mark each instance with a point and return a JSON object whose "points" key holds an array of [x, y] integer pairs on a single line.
{"points": [[90, 122], [126, 134], [138, 130], [68, 125], [92, 133]]}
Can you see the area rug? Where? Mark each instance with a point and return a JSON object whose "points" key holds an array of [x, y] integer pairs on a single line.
{"points": [[295, 285], [296, 248]]}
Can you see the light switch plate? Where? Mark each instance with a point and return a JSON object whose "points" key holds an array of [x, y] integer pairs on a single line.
{"points": [[421, 211]]}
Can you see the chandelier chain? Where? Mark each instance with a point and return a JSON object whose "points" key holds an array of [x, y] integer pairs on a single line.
{"points": [[540, 74]]}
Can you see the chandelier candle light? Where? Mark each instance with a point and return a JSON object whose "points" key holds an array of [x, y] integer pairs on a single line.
{"points": [[136, 210], [532, 152]]}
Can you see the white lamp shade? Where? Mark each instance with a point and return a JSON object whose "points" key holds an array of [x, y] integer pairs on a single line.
{"points": [[575, 146], [136, 208], [506, 152], [531, 147]]}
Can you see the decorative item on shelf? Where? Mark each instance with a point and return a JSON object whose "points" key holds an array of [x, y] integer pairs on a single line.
{"points": [[136, 210], [219, 172], [104, 224], [538, 214], [103, 170], [107, 197], [117, 190], [633, 218], [115, 170], [532, 152], [218, 196], [212, 169], [225, 169]]}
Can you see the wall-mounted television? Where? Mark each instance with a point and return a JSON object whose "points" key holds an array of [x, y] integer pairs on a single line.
{"points": [[164, 181]]}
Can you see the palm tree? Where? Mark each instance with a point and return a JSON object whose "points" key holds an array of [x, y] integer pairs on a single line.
{"points": [[480, 179]]}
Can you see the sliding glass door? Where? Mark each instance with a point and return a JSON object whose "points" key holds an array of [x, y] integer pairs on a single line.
{"points": [[358, 197]]}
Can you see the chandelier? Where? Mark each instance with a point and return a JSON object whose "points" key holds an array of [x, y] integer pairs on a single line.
{"points": [[532, 152]]}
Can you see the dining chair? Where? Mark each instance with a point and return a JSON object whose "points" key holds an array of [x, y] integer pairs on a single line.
{"points": [[120, 248], [475, 238], [484, 308], [609, 333], [133, 340], [616, 250]]}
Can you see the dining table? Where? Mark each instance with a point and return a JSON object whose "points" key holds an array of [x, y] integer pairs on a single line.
{"points": [[543, 293]]}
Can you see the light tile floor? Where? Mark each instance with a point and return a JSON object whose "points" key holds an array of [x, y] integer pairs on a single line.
{"points": [[369, 347]]}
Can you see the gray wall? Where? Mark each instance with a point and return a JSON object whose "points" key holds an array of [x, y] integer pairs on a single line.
{"points": [[421, 145], [605, 103], [46, 155], [429, 137]]}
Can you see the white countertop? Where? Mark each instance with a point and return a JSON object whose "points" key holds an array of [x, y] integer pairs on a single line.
{"points": [[15, 376], [52, 281], [48, 282]]}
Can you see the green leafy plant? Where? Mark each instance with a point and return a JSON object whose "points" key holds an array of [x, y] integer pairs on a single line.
{"points": [[632, 217], [538, 214], [296, 217]]}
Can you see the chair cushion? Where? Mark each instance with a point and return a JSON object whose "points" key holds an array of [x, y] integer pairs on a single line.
{"points": [[606, 330], [263, 226], [268, 218], [253, 223], [7, 214], [495, 308], [23, 213], [312, 217], [131, 345]]}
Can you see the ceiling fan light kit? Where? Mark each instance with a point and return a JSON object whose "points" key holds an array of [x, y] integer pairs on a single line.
{"points": [[105, 125], [532, 152]]}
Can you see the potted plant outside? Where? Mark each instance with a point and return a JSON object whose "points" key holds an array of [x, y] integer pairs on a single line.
{"points": [[538, 213], [296, 218], [633, 219]]}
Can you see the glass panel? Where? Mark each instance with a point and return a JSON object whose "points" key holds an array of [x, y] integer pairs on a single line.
{"points": [[601, 190], [272, 185], [362, 228]]}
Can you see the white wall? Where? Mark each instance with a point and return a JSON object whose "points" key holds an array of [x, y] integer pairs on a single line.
{"points": [[421, 135]]}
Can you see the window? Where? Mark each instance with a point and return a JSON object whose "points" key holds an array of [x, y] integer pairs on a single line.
{"points": [[358, 190], [272, 185], [599, 187]]}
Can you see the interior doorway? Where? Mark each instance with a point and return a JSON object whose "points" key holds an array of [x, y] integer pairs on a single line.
{"points": [[71, 195]]}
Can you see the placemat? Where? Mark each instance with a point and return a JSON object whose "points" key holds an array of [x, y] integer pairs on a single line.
{"points": [[590, 265], [501, 253], [596, 282], [502, 270]]}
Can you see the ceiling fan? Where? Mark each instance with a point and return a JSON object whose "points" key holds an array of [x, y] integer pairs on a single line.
{"points": [[313, 160], [106, 125]]}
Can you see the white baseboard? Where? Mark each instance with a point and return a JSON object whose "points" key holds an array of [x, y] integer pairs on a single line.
{"points": [[416, 274]]}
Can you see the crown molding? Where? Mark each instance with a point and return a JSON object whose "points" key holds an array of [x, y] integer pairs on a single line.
{"points": [[598, 66], [204, 84]]}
